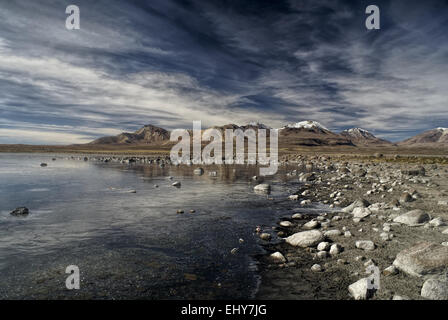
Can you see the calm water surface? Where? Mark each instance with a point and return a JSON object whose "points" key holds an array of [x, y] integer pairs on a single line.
{"points": [[131, 245]]}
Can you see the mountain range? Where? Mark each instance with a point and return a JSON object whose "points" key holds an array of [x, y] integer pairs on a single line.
{"points": [[303, 133]]}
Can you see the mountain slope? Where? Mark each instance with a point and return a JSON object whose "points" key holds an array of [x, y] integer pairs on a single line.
{"points": [[148, 134], [437, 136], [310, 133], [362, 137]]}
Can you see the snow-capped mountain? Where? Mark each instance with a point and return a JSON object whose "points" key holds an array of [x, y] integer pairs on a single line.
{"points": [[310, 133], [362, 136], [434, 136], [308, 124]]}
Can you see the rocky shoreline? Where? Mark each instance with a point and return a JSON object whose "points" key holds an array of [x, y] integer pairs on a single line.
{"points": [[388, 213]]}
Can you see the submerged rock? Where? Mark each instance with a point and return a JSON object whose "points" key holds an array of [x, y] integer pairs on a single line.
{"points": [[263, 188], [21, 211]]}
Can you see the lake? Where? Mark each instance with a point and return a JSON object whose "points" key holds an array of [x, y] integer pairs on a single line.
{"points": [[133, 245]]}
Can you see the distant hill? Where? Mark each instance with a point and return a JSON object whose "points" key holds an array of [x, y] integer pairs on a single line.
{"points": [[362, 137], [148, 135], [437, 136]]}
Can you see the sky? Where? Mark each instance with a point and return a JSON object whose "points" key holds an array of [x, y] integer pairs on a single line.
{"points": [[171, 62]]}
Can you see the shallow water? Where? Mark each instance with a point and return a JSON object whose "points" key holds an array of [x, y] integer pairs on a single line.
{"points": [[131, 245]]}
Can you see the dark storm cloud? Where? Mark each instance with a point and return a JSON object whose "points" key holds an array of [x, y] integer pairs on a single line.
{"points": [[170, 62]]}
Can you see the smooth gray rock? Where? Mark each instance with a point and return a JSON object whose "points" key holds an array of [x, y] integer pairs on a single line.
{"points": [[413, 218], [359, 291], [365, 245], [425, 258], [435, 288], [277, 257], [305, 238]]}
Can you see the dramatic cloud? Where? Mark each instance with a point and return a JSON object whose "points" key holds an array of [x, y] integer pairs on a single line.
{"points": [[169, 62]]}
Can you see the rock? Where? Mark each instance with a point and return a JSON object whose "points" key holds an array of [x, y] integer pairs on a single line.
{"points": [[316, 268], [43, 164], [307, 177], [365, 245], [305, 238], [180, 211], [322, 254], [262, 188], [335, 249], [361, 212], [21, 211], [323, 246], [435, 288], [286, 224], [443, 203], [297, 216], [234, 250], [397, 297], [277, 257], [347, 234], [265, 236], [176, 184], [390, 271], [417, 171], [405, 197], [293, 197], [386, 236], [425, 258], [437, 222], [332, 233], [413, 218], [358, 203], [359, 291], [313, 224], [305, 202]]}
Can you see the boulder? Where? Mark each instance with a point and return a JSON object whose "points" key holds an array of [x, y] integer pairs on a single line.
{"points": [[305, 238], [413, 218], [425, 258], [332, 233], [277, 257], [312, 224], [365, 245], [359, 291], [435, 288], [358, 203], [361, 212]]}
